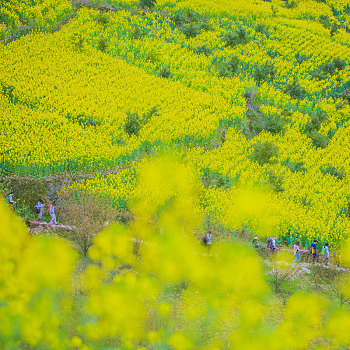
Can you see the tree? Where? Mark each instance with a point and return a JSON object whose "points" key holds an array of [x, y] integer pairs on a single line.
{"points": [[87, 213], [264, 153]]}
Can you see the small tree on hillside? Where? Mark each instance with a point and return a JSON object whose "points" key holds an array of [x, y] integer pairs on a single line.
{"points": [[87, 213], [264, 152]]}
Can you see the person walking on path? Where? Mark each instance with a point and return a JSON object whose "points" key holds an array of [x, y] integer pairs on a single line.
{"points": [[313, 250], [273, 244], [296, 252], [52, 214], [325, 252], [207, 239], [10, 200], [39, 208]]}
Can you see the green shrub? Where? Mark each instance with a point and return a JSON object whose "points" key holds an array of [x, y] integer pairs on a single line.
{"points": [[102, 19], [192, 29], [215, 179], [135, 122], [294, 167], [203, 50], [148, 3], [148, 115], [138, 33], [9, 92], [317, 118], [230, 68], [275, 181], [132, 125], [264, 153], [102, 45], [334, 29], [301, 58], [325, 21], [164, 72], [338, 63], [274, 124], [237, 37], [289, 4], [328, 68], [77, 42], [87, 121], [318, 140], [295, 91], [265, 72], [331, 170], [273, 53], [262, 28]]}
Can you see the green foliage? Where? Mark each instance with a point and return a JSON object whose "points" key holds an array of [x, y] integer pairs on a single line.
{"points": [[132, 125], [87, 121], [295, 91], [255, 123], [78, 42], [274, 124], [102, 19], [84, 120], [264, 153], [273, 53], [207, 51], [230, 68], [193, 28], [275, 181], [262, 28], [138, 33], [135, 122], [102, 45], [331, 170], [264, 72], [306, 201], [237, 37], [215, 179], [339, 63], [294, 166], [316, 120], [325, 69], [164, 72], [148, 3], [290, 4], [301, 58], [312, 129], [325, 21], [318, 140], [9, 92]]}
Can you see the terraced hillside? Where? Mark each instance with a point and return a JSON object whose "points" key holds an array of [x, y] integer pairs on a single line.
{"points": [[247, 93]]}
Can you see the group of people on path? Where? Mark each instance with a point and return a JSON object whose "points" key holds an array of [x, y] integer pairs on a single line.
{"points": [[313, 251], [39, 208], [271, 244]]}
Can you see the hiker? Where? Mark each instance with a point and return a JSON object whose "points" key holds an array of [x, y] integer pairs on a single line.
{"points": [[255, 242], [325, 252], [313, 250], [52, 213], [273, 244], [39, 208], [297, 252], [10, 200], [207, 239]]}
